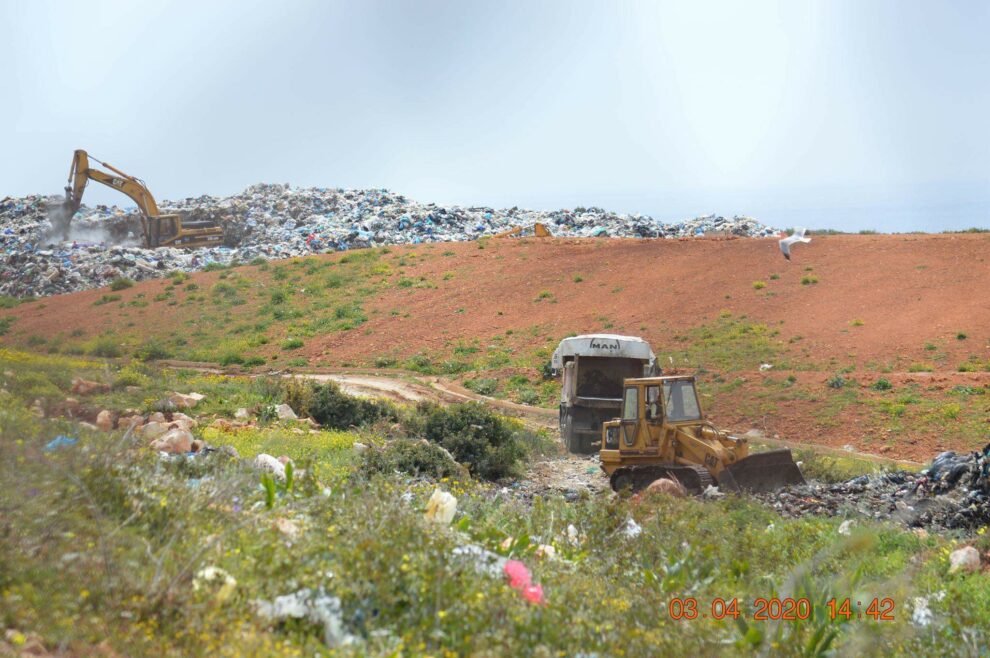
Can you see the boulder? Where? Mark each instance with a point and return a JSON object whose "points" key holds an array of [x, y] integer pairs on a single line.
{"points": [[265, 462], [153, 430], [157, 417], [666, 487], [175, 441], [104, 420], [82, 386], [185, 401], [965, 560], [183, 421], [242, 414], [126, 422], [285, 412]]}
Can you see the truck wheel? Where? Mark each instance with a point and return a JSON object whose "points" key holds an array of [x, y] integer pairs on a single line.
{"points": [[571, 440]]}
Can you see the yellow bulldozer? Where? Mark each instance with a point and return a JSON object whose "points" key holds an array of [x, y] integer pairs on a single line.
{"points": [[159, 230], [663, 433]]}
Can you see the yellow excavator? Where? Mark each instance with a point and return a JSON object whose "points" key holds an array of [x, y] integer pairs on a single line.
{"points": [[539, 231], [159, 230], [663, 433]]}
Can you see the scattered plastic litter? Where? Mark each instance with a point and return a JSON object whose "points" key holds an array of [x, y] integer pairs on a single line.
{"points": [[317, 607], [211, 576], [278, 221], [441, 507], [521, 581], [953, 492], [60, 441]]}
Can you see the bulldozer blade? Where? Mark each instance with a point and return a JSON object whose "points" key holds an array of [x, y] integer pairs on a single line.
{"points": [[763, 471]]}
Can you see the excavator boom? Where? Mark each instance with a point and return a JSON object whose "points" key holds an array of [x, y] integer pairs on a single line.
{"points": [[159, 230]]}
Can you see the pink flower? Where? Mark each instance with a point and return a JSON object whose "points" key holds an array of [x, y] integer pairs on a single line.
{"points": [[518, 574], [533, 594]]}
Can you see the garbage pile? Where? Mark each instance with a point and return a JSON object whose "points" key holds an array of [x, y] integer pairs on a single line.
{"points": [[953, 492], [278, 221]]}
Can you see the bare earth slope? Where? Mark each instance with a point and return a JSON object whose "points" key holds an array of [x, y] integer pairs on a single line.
{"points": [[912, 310]]}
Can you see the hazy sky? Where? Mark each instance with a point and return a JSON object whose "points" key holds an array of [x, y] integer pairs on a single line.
{"points": [[850, 114]]}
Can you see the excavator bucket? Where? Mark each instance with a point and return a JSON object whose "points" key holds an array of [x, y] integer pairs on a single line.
{"points": [[763, 471]]}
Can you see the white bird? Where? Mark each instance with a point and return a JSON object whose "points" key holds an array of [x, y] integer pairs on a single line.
{"points": [[785, 243]]}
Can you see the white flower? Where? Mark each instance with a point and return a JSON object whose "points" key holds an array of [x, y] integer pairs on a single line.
{"points": [[441, 507]]}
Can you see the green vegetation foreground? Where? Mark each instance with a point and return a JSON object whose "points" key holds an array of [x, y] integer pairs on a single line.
{"points": [[106, 546]]}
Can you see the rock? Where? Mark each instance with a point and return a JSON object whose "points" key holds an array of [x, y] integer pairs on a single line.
{"points": [[134, 423], [265, 462], [285, 412], [84, 387], [182, 401], [666, 487], [845, 528], [360, 448], [197, 445], [157, 417], [153, 430], [175, 441], [104, 420], [242, 414], [183, 421], [965, 560], [230, 451]]}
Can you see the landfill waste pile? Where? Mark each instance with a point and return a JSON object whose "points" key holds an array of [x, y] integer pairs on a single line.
{"points": [[278, 221], [953, 492]]}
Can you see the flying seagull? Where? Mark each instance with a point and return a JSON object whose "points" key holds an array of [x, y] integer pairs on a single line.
{"points": [[785, 243]]}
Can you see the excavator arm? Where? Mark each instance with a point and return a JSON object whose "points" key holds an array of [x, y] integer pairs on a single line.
{"points": [[159, 230], [81, 173]]}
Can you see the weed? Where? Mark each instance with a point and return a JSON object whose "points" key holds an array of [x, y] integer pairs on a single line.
{"points": [[809, 280], [121, 283], [881, 385], [759, 285], [106, 299], [292, 344]]}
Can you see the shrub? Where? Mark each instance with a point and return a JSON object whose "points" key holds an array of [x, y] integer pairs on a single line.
{"points": [[759, 285], [130, 376], [482, 386], [836, 382], [808, 280], [415, 457], [333, 408], [121, 283], [881, 385], [253, 361], [298, 394], [106, 347], [475, 436], [230, 358], [269, 388], [106, 299], [960, 336], [152, 350], [292, 344]]}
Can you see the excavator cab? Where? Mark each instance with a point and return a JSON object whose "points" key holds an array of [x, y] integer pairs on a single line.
{"points": [[662, 432]]}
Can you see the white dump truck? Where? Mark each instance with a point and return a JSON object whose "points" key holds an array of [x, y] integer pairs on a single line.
{"points": [[593, 367]]}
